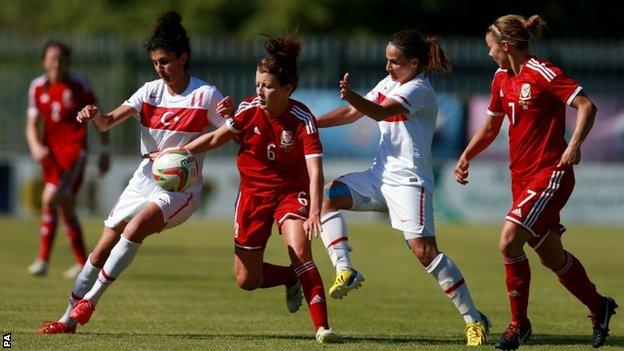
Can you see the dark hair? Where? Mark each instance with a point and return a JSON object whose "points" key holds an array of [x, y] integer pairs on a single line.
{"points": [[169, 35], [282, 60], [65, 49], [428, 52], [517, 29]]}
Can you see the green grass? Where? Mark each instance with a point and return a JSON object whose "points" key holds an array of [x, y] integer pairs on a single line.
{"points": [[180, 294]]}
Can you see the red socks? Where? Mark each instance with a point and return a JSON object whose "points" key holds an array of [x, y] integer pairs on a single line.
{"points": [[273, 275], [74, 233], [518, 279], [574, 277], [47, 233], [314, 292]]}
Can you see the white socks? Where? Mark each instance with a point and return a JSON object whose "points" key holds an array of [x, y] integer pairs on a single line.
{"points": [[452, 283], [84, 281], [334, 237], [120, 257]]}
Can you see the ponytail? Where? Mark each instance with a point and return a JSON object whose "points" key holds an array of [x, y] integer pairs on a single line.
{"points": [[439, 61]]}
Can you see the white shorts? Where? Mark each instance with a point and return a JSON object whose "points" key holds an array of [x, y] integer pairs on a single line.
{"points": [[175, 207], [410, 206]]}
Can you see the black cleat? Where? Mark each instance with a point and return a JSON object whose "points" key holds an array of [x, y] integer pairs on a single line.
{"points": [[601, 322], [514, 336]]}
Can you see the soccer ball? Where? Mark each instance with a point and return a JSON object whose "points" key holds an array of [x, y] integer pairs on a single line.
{"points": [[174, 170]]}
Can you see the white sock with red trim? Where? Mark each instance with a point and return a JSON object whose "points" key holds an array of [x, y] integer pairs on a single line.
{"points": [[335, 238], [84, 282], [452, 283], [120, 257]]}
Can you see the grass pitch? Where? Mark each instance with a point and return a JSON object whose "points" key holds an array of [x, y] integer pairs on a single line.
{"points": [[180, 293]]}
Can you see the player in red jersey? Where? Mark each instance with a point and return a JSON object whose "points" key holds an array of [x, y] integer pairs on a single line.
{"points": [[281, 181], [533, 93], [54, 98], [172, 110]]}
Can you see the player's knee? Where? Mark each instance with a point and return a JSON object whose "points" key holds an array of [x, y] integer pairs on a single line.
{"points": [[424, 251], [98, 257], [247, 282]]}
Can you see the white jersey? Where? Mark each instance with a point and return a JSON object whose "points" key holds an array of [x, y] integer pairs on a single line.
{"points": [[173, 121], [404, 153]]}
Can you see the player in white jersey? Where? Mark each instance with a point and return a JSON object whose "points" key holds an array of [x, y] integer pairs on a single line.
{"points": [[400, 181], [172, 110]]}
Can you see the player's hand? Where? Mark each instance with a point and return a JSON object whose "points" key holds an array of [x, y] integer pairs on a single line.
{"points": [[461, 171], [312, 226], [104, 163], [345, 88], [87, 113], [40, 152], [225, 107], [571, 156]]}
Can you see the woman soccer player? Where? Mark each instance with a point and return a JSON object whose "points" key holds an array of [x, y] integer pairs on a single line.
{"points": [[173, 110], [400, 181], [55, 98], [534, 93], [281, 181]]}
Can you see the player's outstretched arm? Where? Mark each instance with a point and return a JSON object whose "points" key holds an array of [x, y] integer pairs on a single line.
{"points": [[210, 140], [104, 122], [378, 112]]}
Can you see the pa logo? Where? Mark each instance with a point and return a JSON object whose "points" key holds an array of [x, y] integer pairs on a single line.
{"points": [[6, 341]]}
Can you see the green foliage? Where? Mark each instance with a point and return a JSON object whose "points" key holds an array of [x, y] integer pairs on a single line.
{"points": [[180, 294]]}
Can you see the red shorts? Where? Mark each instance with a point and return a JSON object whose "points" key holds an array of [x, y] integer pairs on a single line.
{"points": [[255, 215], [65, 174], [538, 200]]}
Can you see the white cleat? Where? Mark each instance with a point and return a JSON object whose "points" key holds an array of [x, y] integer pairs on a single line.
{"points": [[73, 271], [294, 296], [326, 336], [38, 268]]}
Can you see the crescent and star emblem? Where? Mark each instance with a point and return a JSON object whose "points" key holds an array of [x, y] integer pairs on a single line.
{"points": [[168, 118]]}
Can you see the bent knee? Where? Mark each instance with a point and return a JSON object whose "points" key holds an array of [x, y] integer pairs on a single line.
{"points": [[247, 283]]}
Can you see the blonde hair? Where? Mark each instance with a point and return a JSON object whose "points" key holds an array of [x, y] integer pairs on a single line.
{"points": [[516, 29]]}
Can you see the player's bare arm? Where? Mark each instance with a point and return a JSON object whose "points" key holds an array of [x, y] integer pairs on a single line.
{"points": [[312, 225], [378, 112], [225, 107], [105, 122], [210, 140], [37, 149], [339, 116], [585, 115], [479, 142]]}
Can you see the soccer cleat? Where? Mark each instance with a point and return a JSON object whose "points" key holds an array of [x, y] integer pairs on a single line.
{"points": [[55, 328], [514, 336], [476, 331], [601, 322], [38, 268], [294, 296], [82, 311], [73, 271], [326, 336], [344, 282]]}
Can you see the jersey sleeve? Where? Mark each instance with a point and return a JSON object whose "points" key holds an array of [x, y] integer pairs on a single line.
{"points": [[495, 108], [308, 132], [32, 110], [213, 117], [564, 88], [136, 100], [410, 95], [239, 122], [374, 93]]}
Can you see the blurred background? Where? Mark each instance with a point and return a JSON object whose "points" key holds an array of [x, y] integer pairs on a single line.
{"points": [[107, 37]]}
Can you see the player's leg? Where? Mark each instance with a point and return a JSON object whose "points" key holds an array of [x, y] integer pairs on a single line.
{"points": [[66, 199], [518, 280], [300, 252], [572, 275], [85, 280], [47, 231]]}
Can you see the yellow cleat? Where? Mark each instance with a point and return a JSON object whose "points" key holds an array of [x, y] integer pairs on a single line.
{"points": [[344, 282], [476, 331]]}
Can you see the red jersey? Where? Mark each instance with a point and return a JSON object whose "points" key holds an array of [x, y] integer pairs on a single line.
{"points": [[273, 152], [58, 104], [535, 102]]}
